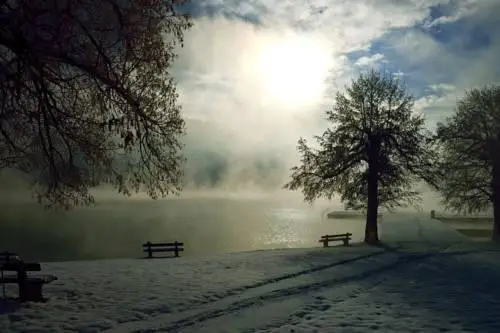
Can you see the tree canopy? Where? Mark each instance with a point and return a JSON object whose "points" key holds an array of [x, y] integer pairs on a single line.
{"points": [[470, 160], [86, 96], [373, 152]]}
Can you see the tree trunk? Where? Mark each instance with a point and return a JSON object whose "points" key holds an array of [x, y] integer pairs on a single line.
{"points": [[496, 219], [496, 202], [371, 228]]}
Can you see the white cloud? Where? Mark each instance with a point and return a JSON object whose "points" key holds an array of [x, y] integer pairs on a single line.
{"points": [[437, 107], [238, 76], [443, 87], [369, 61], [459, 10], [225, 79], [350, 25], [220, 53]]}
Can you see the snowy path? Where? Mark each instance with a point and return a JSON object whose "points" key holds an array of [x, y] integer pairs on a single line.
{"points": [[261, 294], [350, 296]]}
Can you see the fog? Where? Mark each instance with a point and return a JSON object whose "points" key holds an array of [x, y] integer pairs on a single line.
{"points": [[245, 109], [206, 220], [247, 97], [117, 228]]}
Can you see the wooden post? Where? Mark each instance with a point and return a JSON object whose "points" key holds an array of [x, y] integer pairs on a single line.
{"points": [[176, 249], [150, 251], [31, 291], [22, 277], [347, 237], [3, 284]]}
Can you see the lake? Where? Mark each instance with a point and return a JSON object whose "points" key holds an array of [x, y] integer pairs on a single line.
{"points": [[206, 225]]}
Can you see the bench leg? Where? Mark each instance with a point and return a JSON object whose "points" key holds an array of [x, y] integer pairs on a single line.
{"points": [[346, 242], [31, 292], [325, 243]]}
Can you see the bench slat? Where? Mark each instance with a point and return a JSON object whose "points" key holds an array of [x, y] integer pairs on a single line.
{"points": [[42, 279], [27, 266], [165, 250], [7, 254], [153, 245], [6, 257], [37, 279], [337, 235], [9, 279], [334, 239]]}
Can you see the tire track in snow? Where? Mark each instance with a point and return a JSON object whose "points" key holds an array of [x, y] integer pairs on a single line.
{"points": [[237, 290], [209, 298], [234, 292], [279, 294], [321, 304]]}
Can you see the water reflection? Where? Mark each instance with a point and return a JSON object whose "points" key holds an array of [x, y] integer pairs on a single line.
{"points": [[117, 229]]}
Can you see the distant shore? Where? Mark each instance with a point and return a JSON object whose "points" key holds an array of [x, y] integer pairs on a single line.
{"points": [[347, 214]]}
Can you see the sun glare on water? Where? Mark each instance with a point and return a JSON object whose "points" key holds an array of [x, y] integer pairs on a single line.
{"points": [[293, 69]]}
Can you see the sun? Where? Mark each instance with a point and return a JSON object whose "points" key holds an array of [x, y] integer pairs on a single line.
{"points": [[293, 69]]}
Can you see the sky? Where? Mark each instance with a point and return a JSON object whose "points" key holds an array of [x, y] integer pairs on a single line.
{"points": [[256, 75]]}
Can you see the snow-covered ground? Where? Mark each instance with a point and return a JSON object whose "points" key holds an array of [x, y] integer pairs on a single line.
{"points": [[429, 279]]}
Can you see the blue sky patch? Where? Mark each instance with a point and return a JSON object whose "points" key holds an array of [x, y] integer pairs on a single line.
{"points": [[252, 12]]}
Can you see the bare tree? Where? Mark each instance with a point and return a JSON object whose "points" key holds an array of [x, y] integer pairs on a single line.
{"points": [[470, 159], [86, 96], [373, 152]]}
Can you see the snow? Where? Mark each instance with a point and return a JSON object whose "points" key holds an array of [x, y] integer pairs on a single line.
{"points": [[412, 227], [427, 279]]}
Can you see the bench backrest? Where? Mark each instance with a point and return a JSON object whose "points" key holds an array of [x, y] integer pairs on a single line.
{"points": [[6, 257], [153, 245], [163, 247], [22, 266], [338, 236]]}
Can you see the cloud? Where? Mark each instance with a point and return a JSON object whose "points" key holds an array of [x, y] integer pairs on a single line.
{"points": [[243, 103], [454, 11], [260, 74], [350, 24], [223, 81], [446, 87], [440, 64], [369, 61], [244, 60]]}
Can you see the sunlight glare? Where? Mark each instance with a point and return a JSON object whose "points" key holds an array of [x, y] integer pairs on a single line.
{"points": [[293, 69]]}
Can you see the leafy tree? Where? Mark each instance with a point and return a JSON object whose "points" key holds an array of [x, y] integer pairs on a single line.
{"points": [[86, 96], [372, 153], [470, 159]]}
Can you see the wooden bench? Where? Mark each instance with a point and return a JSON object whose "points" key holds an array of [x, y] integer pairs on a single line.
{"points": [[151, 248], [345, 238], [30, 288]]}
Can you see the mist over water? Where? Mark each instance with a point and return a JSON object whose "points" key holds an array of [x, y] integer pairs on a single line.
{"points": [[206, 226]]}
